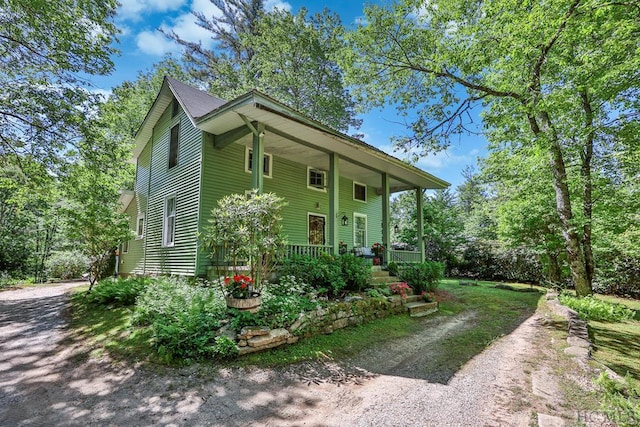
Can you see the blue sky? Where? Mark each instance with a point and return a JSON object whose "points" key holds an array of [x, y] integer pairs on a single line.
{"points": [[141, 45]]}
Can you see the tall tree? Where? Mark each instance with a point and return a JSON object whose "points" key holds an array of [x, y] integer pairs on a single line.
{"points": [[561, 71], [92, 184], [47, 50], [290, 57]]}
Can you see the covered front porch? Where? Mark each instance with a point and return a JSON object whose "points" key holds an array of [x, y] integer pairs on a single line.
{"points": [[345, 202]]}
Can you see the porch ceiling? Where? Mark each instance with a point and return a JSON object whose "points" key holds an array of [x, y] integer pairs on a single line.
{"points": [[287, 149], [294, 139]]}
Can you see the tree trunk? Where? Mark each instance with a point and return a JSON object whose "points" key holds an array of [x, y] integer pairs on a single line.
{"points": [[570, 234], [554, 272], [587, 186]]}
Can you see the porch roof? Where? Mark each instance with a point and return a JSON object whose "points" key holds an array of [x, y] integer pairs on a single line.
{"points": [[288, 134]]}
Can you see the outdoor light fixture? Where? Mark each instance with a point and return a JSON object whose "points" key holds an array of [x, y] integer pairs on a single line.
{"points": [[345, 220], [396, 229]]}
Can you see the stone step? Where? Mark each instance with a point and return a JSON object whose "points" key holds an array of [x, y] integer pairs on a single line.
{"points": [[387, 279], [421, 308], [378, 273], [406, 300], [413, 298]]}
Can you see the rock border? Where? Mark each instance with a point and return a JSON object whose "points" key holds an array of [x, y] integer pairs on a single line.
{"points": [[579, 345], [352, 311]]}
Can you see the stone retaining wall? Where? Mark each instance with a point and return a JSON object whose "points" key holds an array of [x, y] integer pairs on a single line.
{"points": [[320, 321]]}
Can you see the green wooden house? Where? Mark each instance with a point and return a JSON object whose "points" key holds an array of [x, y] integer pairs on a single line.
{"points": [[193, 148]]}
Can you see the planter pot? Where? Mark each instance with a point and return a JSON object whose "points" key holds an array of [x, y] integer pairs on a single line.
{"points": [[251, 304]]}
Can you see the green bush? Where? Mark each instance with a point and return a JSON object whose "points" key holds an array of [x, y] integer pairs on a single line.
{"points": [[289, 285], [423, 277], [119, 292], [184, 317], [355, 272], [186, 335], [66, 265], [590, 308], [323, 273], [620, 403], [224, 348], [169, 297], [281, 311], [393, 268]]}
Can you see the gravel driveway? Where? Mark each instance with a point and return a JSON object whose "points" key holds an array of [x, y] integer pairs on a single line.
{"points": [[47, 379]]}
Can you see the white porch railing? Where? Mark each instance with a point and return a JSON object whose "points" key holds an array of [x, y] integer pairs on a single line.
{"points": [[404, 256], [309, 250]]}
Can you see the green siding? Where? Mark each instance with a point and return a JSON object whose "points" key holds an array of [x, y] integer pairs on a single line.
{"points": [[224, 173], [181, 181], [198, 185], [132, 262], [372, 209]]}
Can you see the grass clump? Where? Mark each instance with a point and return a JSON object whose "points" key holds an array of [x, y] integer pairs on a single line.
{"points": [[590, 308]]}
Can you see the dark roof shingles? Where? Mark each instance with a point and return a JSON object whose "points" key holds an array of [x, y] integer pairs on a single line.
{"points": [[197, 102]]}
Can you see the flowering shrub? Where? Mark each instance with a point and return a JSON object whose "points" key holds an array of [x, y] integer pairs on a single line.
{"points": [[377, 249], [290, 286], [400, 289], [240, 286], [427, 296]]}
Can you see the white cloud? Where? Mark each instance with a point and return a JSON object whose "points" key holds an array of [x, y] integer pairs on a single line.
{"points": [[445, 159], [155, 43], [361, 20], [184, 25], [448, 158], [206, 7], [271, 5], [125, 30], [103, 93], [134, 9]]}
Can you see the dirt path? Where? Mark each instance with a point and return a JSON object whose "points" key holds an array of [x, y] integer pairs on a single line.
{"points": [[44, 381]]}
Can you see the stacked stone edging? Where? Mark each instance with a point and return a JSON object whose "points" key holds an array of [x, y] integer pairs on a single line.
{"points": [[320, 321], [578, 340]]}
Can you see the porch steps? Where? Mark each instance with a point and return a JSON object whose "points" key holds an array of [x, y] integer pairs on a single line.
{"points": [[415, 305], [421, 308]]}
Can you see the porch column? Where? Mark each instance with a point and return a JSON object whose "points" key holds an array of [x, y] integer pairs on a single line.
{"points": [[386, 231], [334, 202], [419, 217], [257, 159]]}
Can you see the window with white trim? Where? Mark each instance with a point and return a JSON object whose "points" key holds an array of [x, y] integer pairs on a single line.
{"points": [[140, 226], [316, 179], [359, 192], [169, 223], [359, 230], [248, 162], [125, 247]]}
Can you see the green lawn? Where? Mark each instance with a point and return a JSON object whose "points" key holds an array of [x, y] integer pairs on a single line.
{"points": [[617, 345]]}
